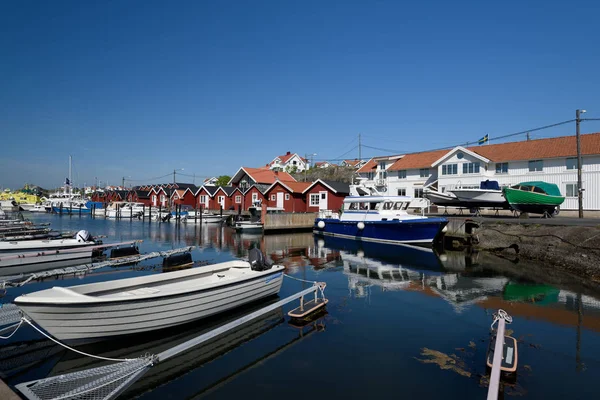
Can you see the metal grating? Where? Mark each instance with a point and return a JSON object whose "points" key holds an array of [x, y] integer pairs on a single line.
{"points": [[100, 383], [9, 314]]}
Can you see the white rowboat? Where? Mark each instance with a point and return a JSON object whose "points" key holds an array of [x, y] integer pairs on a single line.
{"points": [[146, 303], [81, 239]]}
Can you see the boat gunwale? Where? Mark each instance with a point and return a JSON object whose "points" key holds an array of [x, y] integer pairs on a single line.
{"points": [[87, 300]]}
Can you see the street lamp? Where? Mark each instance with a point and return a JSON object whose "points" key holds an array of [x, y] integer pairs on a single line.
{"points": [[579, 183]]}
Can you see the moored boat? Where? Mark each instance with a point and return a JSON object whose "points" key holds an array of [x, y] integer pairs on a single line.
{"points": [[146, 303], [380, 219], [535, 197], [81, 239], [489, 194]]}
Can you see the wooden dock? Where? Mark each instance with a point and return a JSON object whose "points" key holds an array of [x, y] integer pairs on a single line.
{"points": [[289, 221]]}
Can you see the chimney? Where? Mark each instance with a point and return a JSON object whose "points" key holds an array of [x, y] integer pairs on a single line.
{"points": [[288, 153]]}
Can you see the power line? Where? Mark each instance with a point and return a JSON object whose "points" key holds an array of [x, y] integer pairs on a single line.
{"points": [[380, 149], [340, 156], [149, 179]]}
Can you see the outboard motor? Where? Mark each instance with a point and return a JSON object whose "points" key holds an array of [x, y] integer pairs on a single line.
{"points": [[83, 236], [257, 260]]}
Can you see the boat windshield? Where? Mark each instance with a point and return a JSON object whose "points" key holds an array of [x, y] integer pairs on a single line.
{"points": [[400, 205], [388, 205]]}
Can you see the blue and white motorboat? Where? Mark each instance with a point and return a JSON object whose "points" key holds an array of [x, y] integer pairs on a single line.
{"points": [[382, 219]]}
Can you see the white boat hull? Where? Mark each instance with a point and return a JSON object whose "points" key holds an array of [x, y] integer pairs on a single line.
{"points": [[50, 244], [155, 308], [22, 259], [245, 226], [481, 197]]}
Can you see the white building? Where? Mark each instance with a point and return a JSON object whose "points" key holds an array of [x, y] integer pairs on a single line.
{"points": [[552, 160], [288, 162]]}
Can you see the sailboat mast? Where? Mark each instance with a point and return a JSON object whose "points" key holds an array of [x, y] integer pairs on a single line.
{"points": [[70, 177]]}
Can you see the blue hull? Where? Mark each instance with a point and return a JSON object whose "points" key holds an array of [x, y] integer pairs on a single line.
{"points": [[410, 231], [66, 210]]}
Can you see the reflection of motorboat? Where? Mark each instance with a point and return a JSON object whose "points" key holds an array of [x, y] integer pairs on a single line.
{"points": [[151, 302], [413, 257]]}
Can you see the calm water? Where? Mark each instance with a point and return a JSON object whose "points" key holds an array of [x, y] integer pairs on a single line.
{"points": [[391, 314]]}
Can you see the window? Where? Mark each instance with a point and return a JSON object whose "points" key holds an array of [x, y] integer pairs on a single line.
{"points": [[370, 175], [502, 168], [388, 205], [254, 197], [418, 193], [272, 197], [424, 172], [294, 162], [314, 199], [238, 199], [572, 190], [402, 192], [203, 199], [382, 165], [471, 168], [222, 201], [402, 174], [287, 196], [572, 163], [450, 169], [323, 195], [536, 165]]}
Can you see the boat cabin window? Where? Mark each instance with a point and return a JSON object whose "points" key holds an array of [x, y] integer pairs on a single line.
{"points": [[373, 206], [362, 206], [538, 190], [353, 206], [388, 205], [398, 205]]}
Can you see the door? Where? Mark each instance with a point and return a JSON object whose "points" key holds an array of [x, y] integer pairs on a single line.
{"points": [[222, 201], [280, 200], [322, 200]]}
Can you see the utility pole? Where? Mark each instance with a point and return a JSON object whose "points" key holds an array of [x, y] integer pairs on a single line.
{"points": [[305, 167], [528, 136], [579, 183], [359, 150]]}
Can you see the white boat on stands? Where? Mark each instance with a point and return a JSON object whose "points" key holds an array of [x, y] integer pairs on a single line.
{"points": [[151, 302], [442, 199], [81, 239], [488, 194]]}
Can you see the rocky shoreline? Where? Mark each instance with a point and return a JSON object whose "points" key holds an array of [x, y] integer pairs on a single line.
{"points": [[571, 249]]}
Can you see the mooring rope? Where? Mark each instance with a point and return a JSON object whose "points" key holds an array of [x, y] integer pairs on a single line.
{"points": [[79, 351], [320, 285], [18, 325]]}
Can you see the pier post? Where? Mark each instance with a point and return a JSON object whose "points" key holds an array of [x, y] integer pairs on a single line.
{"points": [[195, 213], [60, 210], [143, 211], [160, 213], [201, 211]]}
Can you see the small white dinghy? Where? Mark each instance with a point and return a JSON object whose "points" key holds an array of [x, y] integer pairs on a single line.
{"points": [[134, 305], [81, 239]]}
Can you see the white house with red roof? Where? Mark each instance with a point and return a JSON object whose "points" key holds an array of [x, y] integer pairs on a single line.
{"points": [[552, 160], [288, 162]]}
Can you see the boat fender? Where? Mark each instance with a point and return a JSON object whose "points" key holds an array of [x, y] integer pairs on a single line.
{"points": [[257, 261], [82, 236], [320, 243], [360, 225], [321, 224]]}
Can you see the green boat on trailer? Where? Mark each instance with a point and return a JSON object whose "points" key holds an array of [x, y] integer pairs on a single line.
{"points": [[534, 197]]}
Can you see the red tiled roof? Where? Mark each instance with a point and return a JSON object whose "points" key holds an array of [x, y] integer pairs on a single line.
{"points": [[265, 175], [368, 167], [352, 163], [564, 146], [418, 160]]}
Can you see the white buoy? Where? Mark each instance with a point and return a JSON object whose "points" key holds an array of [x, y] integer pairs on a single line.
{"points": [[360, 225], [445, 229], [321, 224], [320, 243], [360, 253], [443, 257]]}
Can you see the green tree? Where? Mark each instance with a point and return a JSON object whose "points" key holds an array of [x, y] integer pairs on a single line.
{"points": [[223, 180]]}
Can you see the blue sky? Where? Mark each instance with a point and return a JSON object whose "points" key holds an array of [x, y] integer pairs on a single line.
{"points": [[139, 88]]}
